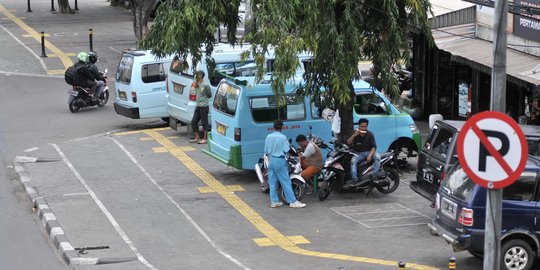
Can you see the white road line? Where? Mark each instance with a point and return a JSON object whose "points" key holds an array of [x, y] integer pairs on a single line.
{"points": [[104, 210], [193, 222], [75, 194], [30, 50]]}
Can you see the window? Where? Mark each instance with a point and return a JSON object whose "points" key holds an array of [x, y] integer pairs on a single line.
{"points": [[522, 189], [226, 99], [458, 184], [153, 73], [442, 142], [233, 69], [369, 103], [264, 109], [181, 67], [123, 73]]}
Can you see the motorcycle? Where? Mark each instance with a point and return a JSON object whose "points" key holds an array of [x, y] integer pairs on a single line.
{"points": [[336, 170], [299, 184], [80, 97]]}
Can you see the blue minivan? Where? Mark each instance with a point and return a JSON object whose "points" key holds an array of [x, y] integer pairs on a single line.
{"points": [[243, 113], [460, 216]]}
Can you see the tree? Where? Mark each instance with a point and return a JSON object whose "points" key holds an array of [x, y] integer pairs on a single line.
{"points": [[339, 33], [64, 8], [141, 10]]}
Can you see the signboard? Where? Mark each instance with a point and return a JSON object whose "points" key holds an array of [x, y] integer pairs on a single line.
{"points": [[527, 26], [492, 149]]}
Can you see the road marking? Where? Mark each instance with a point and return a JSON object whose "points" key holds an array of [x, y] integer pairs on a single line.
{"points": [[271, 233], [104, 210], [26, 47], [186, 215], [37, 36]]}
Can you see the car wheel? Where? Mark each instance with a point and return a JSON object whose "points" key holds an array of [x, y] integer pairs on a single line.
{"points": [[516, 254]]}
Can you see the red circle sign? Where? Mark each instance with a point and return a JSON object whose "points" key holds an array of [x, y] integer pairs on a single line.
{"points": [[492, 149]]}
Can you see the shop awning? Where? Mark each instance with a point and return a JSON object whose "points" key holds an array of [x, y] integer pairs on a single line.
{"points": [[460, 41]]}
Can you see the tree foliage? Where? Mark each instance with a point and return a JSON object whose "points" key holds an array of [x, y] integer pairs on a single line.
{"points": [[338, 33]]}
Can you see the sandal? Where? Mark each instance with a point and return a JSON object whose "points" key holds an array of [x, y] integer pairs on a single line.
{"points": [[194, 141], [203, 141]]}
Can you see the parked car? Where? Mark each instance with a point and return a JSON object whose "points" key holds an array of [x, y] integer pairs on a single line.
{"points": [[140, 85], [439, 154], [460, 216]]}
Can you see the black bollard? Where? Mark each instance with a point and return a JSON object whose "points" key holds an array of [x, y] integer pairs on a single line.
{"points": [[76, 7], [90, 37], [43, 44], [52, 5], [401, 265], [28, 9]]}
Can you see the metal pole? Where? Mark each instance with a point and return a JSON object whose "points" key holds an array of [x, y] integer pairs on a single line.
{"points": [[76, 7], [492, 242], [52, 5], [90, 37], [28, 9], [43, 44]]}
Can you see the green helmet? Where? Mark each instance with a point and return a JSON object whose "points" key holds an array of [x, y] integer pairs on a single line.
{"points": [[83, 57]]}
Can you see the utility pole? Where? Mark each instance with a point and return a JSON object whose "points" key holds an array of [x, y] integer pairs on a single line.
{"points": [[492, 242]]}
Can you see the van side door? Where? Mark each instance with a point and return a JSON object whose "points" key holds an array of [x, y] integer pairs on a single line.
{"points": [[382, 122]]}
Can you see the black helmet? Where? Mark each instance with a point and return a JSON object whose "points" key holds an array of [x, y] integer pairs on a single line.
{"points": [[92, 57]]}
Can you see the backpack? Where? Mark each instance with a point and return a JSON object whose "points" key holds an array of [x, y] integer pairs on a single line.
{"points": [[71, 75]]}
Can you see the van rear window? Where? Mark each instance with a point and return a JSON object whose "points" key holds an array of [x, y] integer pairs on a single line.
{"points": [[226, 99], [233, 69], [153, 73], [264, 109], [458, 184], [123, 73]]}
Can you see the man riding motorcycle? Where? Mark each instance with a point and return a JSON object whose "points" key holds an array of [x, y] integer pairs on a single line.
{"points": [[92, 59], [84, 77]]}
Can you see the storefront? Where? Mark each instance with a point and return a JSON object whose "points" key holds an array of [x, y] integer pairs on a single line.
{"points": [[453, 78]]}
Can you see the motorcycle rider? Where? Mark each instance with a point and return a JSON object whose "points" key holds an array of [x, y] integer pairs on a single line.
{"points": [[92, 59], [311, 158], [83, 76], [363, 142]]}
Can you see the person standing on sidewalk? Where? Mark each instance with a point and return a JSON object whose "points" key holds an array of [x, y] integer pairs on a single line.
{"points": [[203, 93], [275, 147]]}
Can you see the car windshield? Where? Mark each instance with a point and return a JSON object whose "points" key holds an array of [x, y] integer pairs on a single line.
{"points": [[458, 184]]}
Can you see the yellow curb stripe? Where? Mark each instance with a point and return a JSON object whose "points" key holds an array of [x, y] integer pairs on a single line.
{"points": [[56, 71], [253, 217], [37, 36]]}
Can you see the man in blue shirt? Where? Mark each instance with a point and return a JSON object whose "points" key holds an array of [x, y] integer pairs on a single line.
{"points": [[275, 147]]}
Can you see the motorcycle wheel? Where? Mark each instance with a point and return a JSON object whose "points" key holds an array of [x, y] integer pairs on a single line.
{"points": [[265, 188], [325, 190], [393, 177], [73, 107], [103, 98], [298, 190]]}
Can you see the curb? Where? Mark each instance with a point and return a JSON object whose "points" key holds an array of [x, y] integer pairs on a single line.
{"points": [[49, 222]]}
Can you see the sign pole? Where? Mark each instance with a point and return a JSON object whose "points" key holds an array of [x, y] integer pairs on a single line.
{"points": [[492, 242]]}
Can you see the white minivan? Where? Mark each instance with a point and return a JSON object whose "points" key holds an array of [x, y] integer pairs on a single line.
{"points": [[141, 85], [181, 101]]}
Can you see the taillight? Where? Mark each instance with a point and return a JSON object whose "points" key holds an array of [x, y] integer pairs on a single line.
{"points": [[134, 97], [437, 201], [443, 175], [466, 217], [237, 134], [192, 96]]}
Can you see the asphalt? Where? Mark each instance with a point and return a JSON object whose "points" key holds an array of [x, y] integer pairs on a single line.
{"points": [[38, 170]]}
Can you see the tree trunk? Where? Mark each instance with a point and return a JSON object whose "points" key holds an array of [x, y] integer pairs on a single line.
{"points": [[63, 7], [346, 115], [141, 10]]}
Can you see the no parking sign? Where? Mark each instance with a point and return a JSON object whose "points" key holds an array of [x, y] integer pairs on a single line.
{"points": [[492, 149]]}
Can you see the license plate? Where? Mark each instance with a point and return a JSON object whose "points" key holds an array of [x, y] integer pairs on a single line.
{"points": [[73, 92], [122, 95], [178, 88], [448, 208], [221, 128]]}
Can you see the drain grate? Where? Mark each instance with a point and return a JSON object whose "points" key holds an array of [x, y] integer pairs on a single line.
{"points": [[383, 215]]}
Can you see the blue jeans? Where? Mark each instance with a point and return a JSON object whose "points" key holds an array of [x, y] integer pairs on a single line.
{"points": [[100, 85], [361, 157], [277, 171]]}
